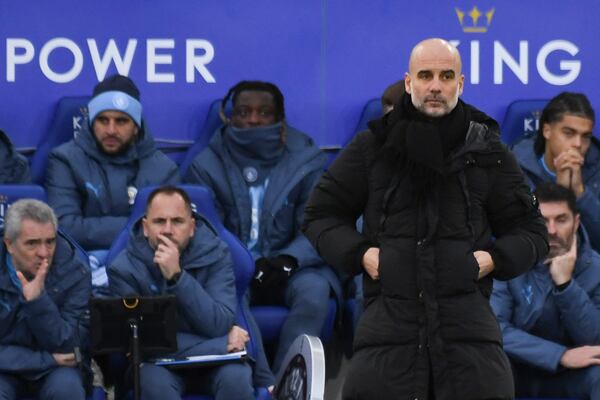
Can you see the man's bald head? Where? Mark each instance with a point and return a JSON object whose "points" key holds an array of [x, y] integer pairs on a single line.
{"points": [[434, 78], [435, 47]]}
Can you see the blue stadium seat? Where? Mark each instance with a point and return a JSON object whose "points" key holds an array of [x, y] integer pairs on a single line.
{"points": [[97, 394], [521, 120], [270, 320], [11, 193], [70, 113], [211, 123], [371, 111], [242, 259]]}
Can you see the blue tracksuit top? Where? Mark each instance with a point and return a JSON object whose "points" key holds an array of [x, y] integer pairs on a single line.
{"points": [[55, 322], [589, 203], [88, 189], [538, 322], [206, 299], [290, 183]]}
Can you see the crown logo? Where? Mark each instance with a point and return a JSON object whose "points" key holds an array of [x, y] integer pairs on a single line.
{"points": [[536, 114], [475, 15]]}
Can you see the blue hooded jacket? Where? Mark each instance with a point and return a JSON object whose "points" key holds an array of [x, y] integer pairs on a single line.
{"points": [[14, 167], [88, 189], [205, 291], [538, 322], [290, 184], [589, 202], [56, 322]]}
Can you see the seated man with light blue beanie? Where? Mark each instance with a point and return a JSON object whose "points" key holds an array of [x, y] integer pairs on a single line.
{"points": [[93, 179]]}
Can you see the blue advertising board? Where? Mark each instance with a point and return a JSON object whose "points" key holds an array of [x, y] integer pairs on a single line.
{"points": [[329, 57]]}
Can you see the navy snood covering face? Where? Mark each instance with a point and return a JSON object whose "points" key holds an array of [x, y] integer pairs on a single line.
{"points": [[255, 150]]}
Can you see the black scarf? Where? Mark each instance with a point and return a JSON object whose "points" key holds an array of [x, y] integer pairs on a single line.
{"points": [[417, 144]]}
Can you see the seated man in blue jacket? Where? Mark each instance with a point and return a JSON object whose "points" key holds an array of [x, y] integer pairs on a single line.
{"points": [[171, 252], [44, 291], [261, 172], [93, 179], [550, 316], [566, 152], [14, 167]]}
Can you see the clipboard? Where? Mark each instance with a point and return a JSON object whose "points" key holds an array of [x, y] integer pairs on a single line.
{"points": [[201, 361]]}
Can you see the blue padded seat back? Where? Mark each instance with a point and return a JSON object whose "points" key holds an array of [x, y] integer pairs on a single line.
{"points": [[211, 123], [71, 112], [371, 111], [11, 193], [521, 120]]}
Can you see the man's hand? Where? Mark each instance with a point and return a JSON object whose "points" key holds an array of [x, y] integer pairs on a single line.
{"points": [[581, 357], [568, 167], [485, 262], [562, 266], [65, 359], [236, 339], [166, 257], [34, 288], [370, 262]]}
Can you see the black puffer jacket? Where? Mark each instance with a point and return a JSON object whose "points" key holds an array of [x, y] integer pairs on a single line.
{"points": [[428, 316]]}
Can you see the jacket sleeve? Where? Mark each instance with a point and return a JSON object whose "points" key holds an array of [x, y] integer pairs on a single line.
{"points": [[299, 247], [19, 359], [335, 204], [589, 208], [193, 345], [61, 328], [519, 229], [519, 344], [579, 313], [65, 197], [208, 307]]}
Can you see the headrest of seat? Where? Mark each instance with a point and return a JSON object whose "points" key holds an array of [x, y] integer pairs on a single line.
{"points": [[11, 193], [69, 116], [521, 119]]}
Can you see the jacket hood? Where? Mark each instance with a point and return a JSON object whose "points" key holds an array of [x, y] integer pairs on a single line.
{"points": [[202, 250], [141, 148]]}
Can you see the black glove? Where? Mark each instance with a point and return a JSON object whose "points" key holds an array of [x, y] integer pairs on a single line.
{"points": [[270, 279]]}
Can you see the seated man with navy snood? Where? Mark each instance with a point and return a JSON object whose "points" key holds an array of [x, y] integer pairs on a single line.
{"points": [[172, 251], [93, 179], [44, 291], [261, 172]]}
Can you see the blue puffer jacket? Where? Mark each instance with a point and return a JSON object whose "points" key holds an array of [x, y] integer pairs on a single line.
{"points": [[290, 184], [589, 203], [88, 189], [14, 167], [55, 322], [539, 323], [205, 291]]}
